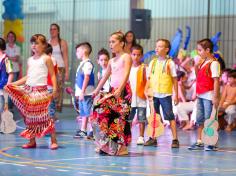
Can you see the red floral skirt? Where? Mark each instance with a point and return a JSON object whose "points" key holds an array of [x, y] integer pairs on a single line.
{"points": [[111, 129], [32, 103]]}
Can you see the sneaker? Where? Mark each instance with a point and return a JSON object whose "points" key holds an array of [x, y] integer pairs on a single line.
{"points": [[90, 136], [80, 134], [175, 143], [151, 142], [196, 146], [140, 140], [211, 148]]}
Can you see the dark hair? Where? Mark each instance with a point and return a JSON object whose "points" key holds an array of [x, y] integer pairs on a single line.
{"points": [[103, 51], [226, 70], [134, 38], [2, 44], [167, 43], [49, 49], [59, 37], [206, 43], [180, 74], [137, 47], [232, 74], [86, 45], [13, 33]]}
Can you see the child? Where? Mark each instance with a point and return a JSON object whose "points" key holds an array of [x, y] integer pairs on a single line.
{"points": [[137, 80], [6, 74], [207, 88], [103, 59], [34, 105], [228, 101], [52, 106], [110, 116], [84, 86], [161, 79]]}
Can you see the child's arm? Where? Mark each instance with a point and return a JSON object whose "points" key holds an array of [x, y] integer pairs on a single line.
{"points": [[65, 58], [10, 78], [52, 75], [216, 94], [223, 96], [175, 84], [103, 80], [85, 84], [181, 94], [20, 81], [128, 63]]}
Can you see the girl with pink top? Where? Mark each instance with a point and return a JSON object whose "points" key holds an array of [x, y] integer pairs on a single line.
{"points": [[112, 109]]}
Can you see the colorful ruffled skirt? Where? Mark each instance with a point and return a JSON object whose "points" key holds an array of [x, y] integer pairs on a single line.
{"points": [[111, 129], [32, 103]]}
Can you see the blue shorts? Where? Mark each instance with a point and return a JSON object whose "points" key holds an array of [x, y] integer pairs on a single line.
{"points": [[166, 104], [85, 106], [141, 114], [204, 109]]}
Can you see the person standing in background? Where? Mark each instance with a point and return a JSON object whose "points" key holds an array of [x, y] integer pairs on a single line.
{"points": [[60, 53]]}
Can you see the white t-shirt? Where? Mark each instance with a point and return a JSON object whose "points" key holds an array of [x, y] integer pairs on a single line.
{"points": [[136, 101], [172, 73], [87, 70], [215, 73], [12, 52], [106, 86]]}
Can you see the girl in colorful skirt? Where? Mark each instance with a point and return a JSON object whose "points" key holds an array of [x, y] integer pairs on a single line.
{"points": [[112, 131], [33, 99]]}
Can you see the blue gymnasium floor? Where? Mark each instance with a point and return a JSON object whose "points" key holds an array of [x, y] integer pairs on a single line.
{"points": [[77, 157]]}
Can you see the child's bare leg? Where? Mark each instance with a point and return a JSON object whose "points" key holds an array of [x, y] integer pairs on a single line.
{"points": [[173, 129], [84, 124], [141, 129]]}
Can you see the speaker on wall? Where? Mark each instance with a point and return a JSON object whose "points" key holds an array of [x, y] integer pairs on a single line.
{"points": [[141, 23]]}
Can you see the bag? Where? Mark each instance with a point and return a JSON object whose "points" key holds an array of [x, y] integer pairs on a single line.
{"points": [[210, 131], [8, 125]]}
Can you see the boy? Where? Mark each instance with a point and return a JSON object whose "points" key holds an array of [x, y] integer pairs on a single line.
{"points": [[137, 80], [207, 88], [161, 79], [84, 85], [228, 101], [52, 106], [6, 75]]}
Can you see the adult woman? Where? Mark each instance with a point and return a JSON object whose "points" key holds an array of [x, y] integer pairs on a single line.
{"points": [[130, 41], [60, 53], [112, 131], [13, 53]]}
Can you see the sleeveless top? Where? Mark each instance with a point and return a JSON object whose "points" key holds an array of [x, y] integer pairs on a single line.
{"points": [[56, 53], [117, 71], [37, 71]]}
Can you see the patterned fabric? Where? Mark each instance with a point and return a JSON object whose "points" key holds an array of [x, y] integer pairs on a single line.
{"points": [[32, 103], [111, 130], [60, 87]]}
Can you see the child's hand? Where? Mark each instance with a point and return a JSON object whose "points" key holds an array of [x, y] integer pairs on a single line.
{"points": [[216, 102], [81, 97], [117, 93], [176, 100], [94, 93], [54, 94], [6, 107]]}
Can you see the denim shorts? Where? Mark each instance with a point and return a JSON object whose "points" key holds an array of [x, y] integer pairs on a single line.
{"points": [[85, 106], [204, 109], [166, 104], [141, 114]]}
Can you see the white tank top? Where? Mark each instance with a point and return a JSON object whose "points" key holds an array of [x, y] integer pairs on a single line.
{"points": [[56, 53], [37, 71]]}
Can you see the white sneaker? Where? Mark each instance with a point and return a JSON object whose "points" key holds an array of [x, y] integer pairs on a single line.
{"points": [[140, 140]]}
